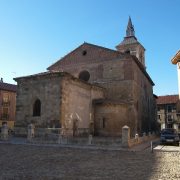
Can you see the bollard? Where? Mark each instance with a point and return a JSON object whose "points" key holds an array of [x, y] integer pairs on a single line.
{"points": [[151, 147], [59, 139], [90, 139], [125, 136], [4, 132], [30, 135]]}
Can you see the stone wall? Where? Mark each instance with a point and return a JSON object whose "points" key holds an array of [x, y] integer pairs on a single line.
{"points": [[122, 75], [143, 101], [77, 109], [65, 102], [109, 74], [47, 89], [128, 141], [84, 54], [135, 49], [110, 118]]}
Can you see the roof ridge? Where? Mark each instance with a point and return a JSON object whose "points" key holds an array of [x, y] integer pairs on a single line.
{"points": [[103, 47], [64, 56], [113, 50], [168, 99], [7, 83], [169, 95], [142, 68]]}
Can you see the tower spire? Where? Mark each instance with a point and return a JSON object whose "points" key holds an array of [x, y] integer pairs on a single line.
{"points": [[131, 45], [130, 28]]}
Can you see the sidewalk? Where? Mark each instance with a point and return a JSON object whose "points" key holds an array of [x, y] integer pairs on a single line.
{"points": [[141, 147], [145, 146], [23, 141], [163, 148]]}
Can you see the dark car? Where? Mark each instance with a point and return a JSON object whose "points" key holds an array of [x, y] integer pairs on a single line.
{"points": [[169, 136]]}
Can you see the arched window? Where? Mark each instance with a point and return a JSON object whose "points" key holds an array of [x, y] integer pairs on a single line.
{"points": [[84, 75], [37, 108]]}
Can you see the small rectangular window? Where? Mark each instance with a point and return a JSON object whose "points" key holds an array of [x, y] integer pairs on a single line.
{"points": [[5, 113], [5, 97], [174, 108], [103, 123], [169, 126], [169, 108], [5, 110], [170, 119]]}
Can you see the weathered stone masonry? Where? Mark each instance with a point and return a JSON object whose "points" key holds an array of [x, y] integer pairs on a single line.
{"points": [[64, 99], [93, 88]]}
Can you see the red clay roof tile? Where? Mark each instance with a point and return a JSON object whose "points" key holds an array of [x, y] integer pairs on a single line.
{"points": [[8, 87], [168, 99]]}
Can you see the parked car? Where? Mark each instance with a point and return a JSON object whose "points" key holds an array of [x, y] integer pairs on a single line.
{"points": [[169, 136]]}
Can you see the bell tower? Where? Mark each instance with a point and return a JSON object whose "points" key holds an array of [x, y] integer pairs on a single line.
{"points": [[131, 45]]}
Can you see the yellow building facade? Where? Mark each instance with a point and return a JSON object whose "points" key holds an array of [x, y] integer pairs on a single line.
{"points": [[7, 104]]}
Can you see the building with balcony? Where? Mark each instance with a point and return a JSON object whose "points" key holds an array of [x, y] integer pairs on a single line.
{"points": [[167, 113], [7, 104]]}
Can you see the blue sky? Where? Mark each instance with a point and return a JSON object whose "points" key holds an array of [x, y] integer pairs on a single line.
{"points": [[36, 33]]}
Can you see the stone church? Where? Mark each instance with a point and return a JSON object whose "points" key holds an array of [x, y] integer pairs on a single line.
{"points": [[92, 89]]}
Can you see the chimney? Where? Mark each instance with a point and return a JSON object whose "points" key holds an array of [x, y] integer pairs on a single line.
{"points": [[2, 80]]}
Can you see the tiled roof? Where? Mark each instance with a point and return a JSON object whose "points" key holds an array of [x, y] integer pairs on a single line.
{"points": [[129, 40], [8, 87], [113, 54], [168, 99], [85, 45], [142, 69], [57, 73]]}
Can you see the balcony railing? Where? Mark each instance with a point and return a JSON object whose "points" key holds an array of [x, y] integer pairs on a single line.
{"points": [[169, 120]]}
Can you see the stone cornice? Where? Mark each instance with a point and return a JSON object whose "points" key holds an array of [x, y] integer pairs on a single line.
{"points": [[176, 58]]}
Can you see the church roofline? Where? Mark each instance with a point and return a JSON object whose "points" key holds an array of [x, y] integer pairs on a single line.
{"points": [[130, 37], [128, 40], [35, 75], [102, 47], [59, 74], [85, 43], [142, 69]]}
